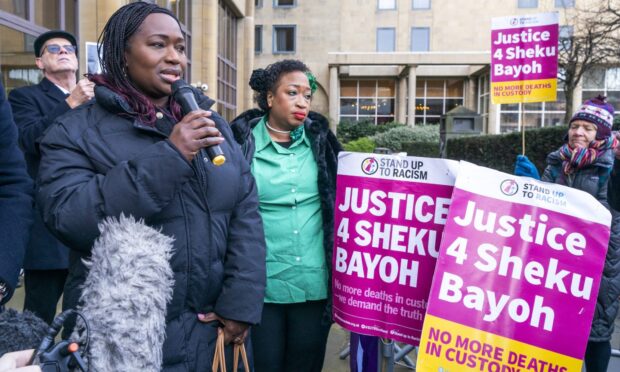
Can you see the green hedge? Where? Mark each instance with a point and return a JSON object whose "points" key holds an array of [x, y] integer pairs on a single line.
{"points": [[420, 148], [395, 138], [500, 151], [363, 144], [348, 131]]}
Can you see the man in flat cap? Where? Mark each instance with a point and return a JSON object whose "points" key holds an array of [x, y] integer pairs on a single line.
{"points": [[34, 109]]}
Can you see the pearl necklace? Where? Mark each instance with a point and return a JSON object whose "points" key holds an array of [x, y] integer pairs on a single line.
{"points": [[277, 130]]}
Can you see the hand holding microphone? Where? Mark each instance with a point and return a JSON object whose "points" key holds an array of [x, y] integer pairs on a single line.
{"points": [[196, 131]]}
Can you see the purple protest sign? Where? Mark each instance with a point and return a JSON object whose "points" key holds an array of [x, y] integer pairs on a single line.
{"points": [[524, 58], [390, 213], [518, 274]]}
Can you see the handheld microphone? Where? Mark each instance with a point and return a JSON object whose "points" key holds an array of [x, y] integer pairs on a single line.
{"points": [[183, 94]]}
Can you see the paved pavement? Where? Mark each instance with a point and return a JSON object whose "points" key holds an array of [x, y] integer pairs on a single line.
{"points": [[338, 341]]}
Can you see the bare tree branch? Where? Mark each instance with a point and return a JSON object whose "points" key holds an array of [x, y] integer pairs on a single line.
{"points": [[594, 43]]}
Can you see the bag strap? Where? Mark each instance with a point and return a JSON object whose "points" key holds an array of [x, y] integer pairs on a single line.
{"points": [[240, 349], [219, 359]]}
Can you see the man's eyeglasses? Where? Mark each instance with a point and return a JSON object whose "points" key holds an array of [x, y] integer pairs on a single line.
{"points": [[55, 48]]}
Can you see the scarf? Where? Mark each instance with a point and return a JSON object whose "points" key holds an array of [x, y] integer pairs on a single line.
{"points": [[574, 159]]}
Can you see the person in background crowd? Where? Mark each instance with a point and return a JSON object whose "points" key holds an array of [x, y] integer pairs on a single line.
{"points": [[131, 151], [584, 162], [16, 202], [35, 108], [294, 158]]}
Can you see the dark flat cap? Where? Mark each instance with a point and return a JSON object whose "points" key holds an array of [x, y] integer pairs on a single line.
{"points": [[40, 41]]}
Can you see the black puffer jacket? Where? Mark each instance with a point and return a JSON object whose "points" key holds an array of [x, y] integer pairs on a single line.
{"points": [[594, 179], [325, 148], [96, 163]]}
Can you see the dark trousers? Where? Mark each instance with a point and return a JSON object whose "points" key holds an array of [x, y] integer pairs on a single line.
{"points": [[43, 290], [597, 356], [291, 337]]}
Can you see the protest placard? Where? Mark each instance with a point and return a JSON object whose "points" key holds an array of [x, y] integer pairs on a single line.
{"points": [[517, 276], [390, 213], [524, 58]]}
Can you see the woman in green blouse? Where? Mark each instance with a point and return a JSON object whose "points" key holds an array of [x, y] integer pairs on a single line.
{"points": [[293, 155]]}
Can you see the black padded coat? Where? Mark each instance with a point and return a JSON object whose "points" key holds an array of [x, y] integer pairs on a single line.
{"points": [[593, 179], [96, 163]]}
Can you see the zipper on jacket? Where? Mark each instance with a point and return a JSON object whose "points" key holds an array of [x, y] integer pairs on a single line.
{"points": [[201, 169], [187, 249]]}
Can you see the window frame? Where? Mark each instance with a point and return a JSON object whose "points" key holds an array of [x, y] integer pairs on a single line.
{"points": [[413, 7], [393, 29], [359, 117], [393, 8], [428, 39], [423, 116], [522, 5], [562, 4], [278, 6], [258, 30], [274, 39], [564, 41], [227, 62]]}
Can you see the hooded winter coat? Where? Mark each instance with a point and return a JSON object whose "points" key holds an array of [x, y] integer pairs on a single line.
{"points": [[325, 148], [593, 179], [97, 162]]}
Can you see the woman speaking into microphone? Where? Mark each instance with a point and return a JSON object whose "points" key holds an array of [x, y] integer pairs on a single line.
{"points": [[131, 151]]}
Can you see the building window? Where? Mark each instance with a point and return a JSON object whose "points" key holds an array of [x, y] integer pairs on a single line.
{"points": [[386, 39], [367, 101], [484, 99], [283, 3], [258, 39], [420, 39], [564, 3], [258, 3], [284, 39], [604, 81], [421, 4], [183, 11], [386, 4], [227, 62], [565, 36], [436, 97], [527, 3]]}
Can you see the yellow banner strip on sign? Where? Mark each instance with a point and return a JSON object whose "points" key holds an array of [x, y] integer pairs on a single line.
{"points": [[524, 91], [449, 346]]}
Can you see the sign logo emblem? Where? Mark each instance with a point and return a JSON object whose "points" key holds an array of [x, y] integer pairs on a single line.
{"points": [[370, 166], [509, 187]]}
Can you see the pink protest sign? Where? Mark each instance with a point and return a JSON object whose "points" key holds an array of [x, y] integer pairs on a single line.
{"points": [[524, 58], [517, 276], [390, 213]]}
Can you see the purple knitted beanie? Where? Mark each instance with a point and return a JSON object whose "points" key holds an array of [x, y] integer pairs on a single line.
{"points": [[599, 113]]}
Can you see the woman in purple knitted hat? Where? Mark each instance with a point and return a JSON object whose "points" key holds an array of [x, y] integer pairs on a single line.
{"points": [[585, 162]]}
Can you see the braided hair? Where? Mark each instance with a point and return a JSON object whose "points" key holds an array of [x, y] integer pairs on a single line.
{"points": [[266, 80], [121, 26]]}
